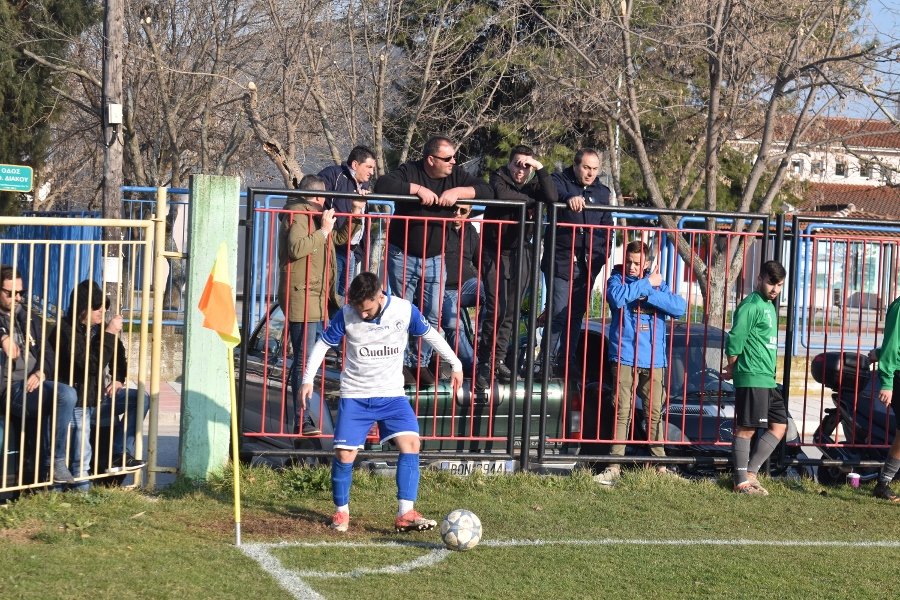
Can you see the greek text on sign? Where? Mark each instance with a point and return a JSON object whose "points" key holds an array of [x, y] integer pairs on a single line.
{"points": [[16, 178]]}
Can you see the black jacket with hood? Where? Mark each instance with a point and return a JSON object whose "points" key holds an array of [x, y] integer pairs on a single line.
{"points": [[89, 357]]}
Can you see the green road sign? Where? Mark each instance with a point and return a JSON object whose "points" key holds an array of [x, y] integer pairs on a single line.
{"points": [[15, 178]]}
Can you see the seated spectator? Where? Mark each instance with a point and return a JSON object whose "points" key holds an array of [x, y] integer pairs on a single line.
{"points": [[94, 362], [25, 385], [461, 288]]}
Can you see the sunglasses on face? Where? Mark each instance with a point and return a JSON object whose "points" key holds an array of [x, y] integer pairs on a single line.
{"points": [[462, 211], [9, 293], [446, 159]]}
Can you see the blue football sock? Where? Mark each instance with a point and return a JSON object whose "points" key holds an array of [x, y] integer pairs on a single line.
{"points": [[341, 478], [408, 477]]}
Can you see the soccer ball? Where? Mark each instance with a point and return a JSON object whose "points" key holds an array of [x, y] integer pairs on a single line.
{"points": [[461, 530]]}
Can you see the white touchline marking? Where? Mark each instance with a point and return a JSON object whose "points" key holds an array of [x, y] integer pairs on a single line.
{"points": [[286, 578], [292, 580]]}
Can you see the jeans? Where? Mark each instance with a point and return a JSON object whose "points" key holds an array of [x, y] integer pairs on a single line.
{"points": [[421, 281], [455, 301], [123, 434], [567, 316], [112, 414], [303, 338], [42, 398], [346, 269], [80, 452]]}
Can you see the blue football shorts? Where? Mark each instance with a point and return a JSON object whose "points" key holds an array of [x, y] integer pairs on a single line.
{"points": [[394, 416]]}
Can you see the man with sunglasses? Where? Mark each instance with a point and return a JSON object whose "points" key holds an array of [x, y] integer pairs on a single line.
{"points": [[25, 387], [523, 178], [417, 235]]}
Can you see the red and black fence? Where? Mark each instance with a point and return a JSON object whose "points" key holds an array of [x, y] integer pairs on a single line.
{"points": [[563, 391]]}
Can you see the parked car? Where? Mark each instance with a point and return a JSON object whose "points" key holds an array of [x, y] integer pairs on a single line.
{"points": [[866, 425], [469, 421], [699, 415]]}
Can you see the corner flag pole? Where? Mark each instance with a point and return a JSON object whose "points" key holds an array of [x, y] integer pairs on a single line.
{"points": [[235, 453], [217, 305]]}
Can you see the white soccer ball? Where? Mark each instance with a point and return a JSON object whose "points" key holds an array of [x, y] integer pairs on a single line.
{"points": [[461, 530]]}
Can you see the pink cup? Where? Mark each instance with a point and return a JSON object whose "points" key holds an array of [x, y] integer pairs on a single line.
{"points": [[853, 479]]}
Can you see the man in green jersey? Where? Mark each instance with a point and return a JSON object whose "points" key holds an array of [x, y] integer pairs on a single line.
{"points": [[752, 343], [888, 358]]}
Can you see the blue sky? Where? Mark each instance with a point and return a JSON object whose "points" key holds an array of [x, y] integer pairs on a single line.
{"points": [[884, 21]]}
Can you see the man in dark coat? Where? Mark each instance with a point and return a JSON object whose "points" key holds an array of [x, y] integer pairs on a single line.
{"points": [[353, 177], [579, 255], [28, 391], [524, 178], [417, 234]]}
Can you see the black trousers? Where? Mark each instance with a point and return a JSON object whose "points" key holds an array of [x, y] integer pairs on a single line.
{"points": [[501, 283]]}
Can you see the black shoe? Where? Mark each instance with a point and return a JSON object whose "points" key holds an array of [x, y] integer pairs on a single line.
{"points": [[885, 493], [502, 371], [309, 427], [61, 473], [482, 378], [131, 464]]}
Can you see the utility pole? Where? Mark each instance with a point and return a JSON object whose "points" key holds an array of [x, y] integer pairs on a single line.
{"points": [[111, 111], [113, 140]]}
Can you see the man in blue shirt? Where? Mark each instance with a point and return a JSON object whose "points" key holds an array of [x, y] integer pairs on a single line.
{"points": [[640, 302]]}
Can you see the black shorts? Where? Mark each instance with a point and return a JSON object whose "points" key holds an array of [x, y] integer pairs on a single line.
{"points": [[759, 407]]}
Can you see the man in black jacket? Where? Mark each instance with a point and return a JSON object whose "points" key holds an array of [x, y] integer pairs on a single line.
{"points": [[417, 234], [28, 391], [524, 178], [579, 255], [352, 176]]}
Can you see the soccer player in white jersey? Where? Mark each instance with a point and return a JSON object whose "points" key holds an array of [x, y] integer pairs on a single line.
{"points": [[377, 327]]}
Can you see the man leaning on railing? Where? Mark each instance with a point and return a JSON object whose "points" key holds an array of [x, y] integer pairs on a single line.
{"points": [[415, 262]]}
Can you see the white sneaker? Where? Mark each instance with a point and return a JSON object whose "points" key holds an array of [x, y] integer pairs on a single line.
{"points": [[609, 476]]}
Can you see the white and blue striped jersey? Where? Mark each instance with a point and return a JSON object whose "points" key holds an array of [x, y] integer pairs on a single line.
{"points": [[373, 357]]}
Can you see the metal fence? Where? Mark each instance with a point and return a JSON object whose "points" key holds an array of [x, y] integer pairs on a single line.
{"points": [[72, 402], [841, 276]]}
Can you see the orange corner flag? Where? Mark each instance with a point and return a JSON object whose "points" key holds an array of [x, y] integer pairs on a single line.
{"points": [[217, 302]]}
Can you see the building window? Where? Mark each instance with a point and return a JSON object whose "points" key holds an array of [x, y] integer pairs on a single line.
{"points": [[867, 170], [888, 174], [797, 167], [817, 167], [840, 169]]}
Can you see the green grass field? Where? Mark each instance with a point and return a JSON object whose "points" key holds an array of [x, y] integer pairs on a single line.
{"points": [[544, 537]]}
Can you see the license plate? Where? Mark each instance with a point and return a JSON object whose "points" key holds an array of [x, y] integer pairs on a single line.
{"points": [[468, 467]]}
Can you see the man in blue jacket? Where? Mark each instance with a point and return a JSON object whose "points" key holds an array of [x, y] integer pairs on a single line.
{"points": [[580, 254], [352, 176], [640, 302]]}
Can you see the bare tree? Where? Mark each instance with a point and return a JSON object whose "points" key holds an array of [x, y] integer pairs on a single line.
{"points": [[712, 72]]}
